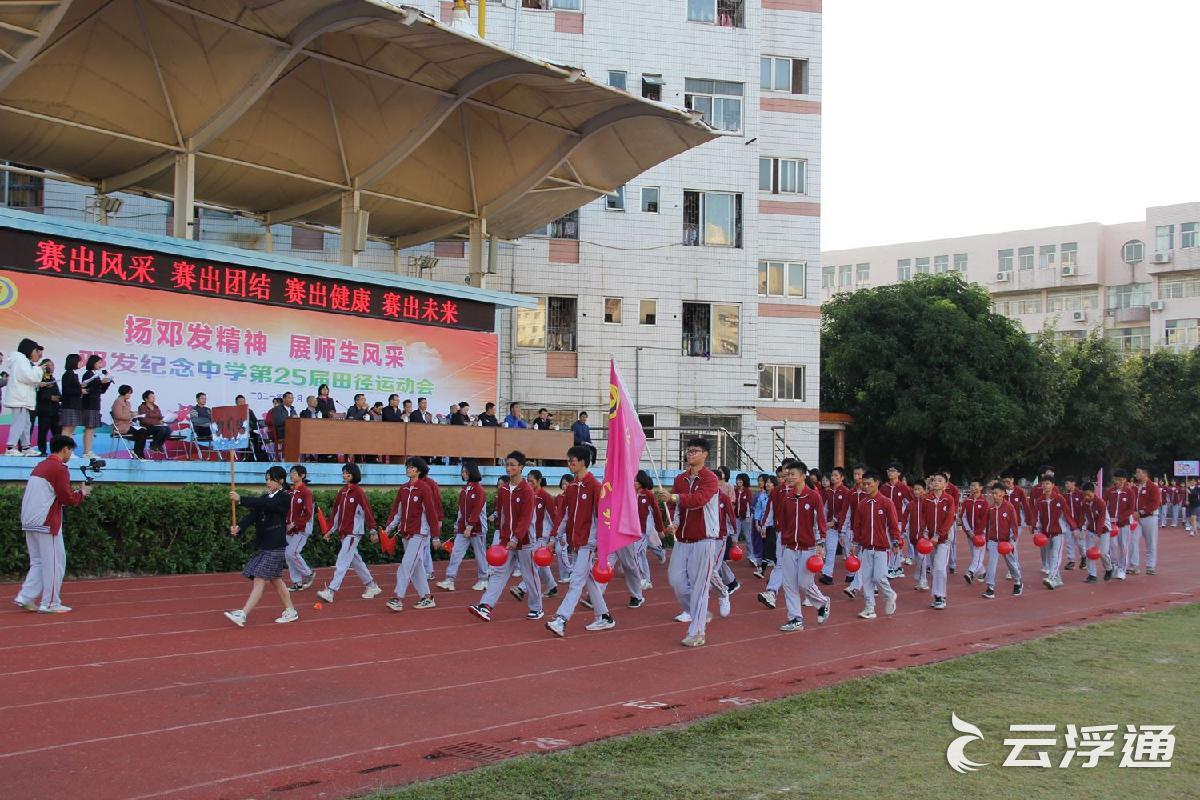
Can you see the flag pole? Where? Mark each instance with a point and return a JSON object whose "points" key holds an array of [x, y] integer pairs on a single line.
{"points": [[232, 488]]}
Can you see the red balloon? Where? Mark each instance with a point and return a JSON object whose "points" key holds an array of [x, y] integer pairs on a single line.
{"points": [[543, 557], [1040, 540], [853, 564], [924, 546], [1093, 553], [448, 546], [979, 540], [815, 564], [1133, 523], [497, 555], [736, 553], [1004, 548], [1114, 531], [602, 572]]}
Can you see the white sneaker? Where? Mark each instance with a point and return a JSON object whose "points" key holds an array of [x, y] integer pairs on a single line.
{"points": [[236, 617], [479, 586], [647, 585], [57, 608], [684, 617], [557, 626], [373, 590], [288, 615], [447, 584], [889, 604], [517, 572], [867, 613], [89, 455], [30, 452], [723, 605], [326, 595], [601, 623], [12, 451]]}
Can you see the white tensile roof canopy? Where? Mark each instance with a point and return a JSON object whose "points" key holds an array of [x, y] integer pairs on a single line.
{"points": [[308, 110]]}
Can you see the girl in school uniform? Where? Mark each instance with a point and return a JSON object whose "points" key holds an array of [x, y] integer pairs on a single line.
{"points": [[299, 528], [70, 412], [743, 501], [269, 516], [352, 516], [469, 529], [561, 551], [415, 515], [650, 514], [95, 384], [543, 531]]}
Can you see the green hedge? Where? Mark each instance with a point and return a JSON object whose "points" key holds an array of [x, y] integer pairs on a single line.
{"points": [[131, 529]]}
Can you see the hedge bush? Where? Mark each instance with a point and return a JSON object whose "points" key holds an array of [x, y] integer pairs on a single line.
{"points": [[132, 529]]}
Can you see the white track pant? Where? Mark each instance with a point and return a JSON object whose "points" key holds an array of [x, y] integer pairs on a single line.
{"points": [[1125, 558], [412, 566], [581, 578], [348, 558], [460, 551], [798, 582], [19, 428], [1100, 542], [1053, 551], [832, 539], [1010, 560], [544, 573], [1148, 528], [298, 569], [977, 554], [692, 567], [47, 565], [630, 558], [499, 576], [874, 576], [940, 558]]}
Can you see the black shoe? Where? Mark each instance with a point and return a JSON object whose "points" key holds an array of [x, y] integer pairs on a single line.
{"points": [[552, 592], [637, 602], [586, 603], [968, 576], [849, 579], [1083, 562], [989, 593], [951, 570], [1016, 589], [1091, 579], [826, 579], [1108, 573], [733, 587], [758, 572]]}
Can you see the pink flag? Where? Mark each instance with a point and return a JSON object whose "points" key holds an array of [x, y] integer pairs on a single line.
{"points": [[618, 524]]}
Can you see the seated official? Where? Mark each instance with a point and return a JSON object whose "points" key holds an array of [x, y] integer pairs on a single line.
{"points": [[488, 418], [256, 442], [277, 417], [542, 421], [313, 410], [201, 418], [392, 411], [463, 415], [515, 418], [123, 419], [422, 413], [359, 411], [151, 417]]}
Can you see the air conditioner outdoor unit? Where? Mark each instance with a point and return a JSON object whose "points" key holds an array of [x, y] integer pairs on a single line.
{"points": [[1079, 316], [1157, 305], [1067, 270], [1003, 277], [1163, 257]]}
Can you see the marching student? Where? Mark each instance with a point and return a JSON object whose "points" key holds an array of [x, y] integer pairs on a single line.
{"points": [[1003, 520], [897, 491], [1053, 518], [515, 502], [743, 502], [629, 558], [802, 525], [757, 512], [1121, 501], [1020, 503], [494, 517], [470, 526], [837, 508], [1037, 494], [581, 500], [779, 495], [299, 528], [415, 516], [956, 496], [974, 521], [940, 511], [1148, 501], [352, 516], [914, 525], [650, 515], [1073, 548], [729, 535], [543, 527], [47, 493], [876, 533], [561, 551], [439, 513], [268, 514], [1094, 522], [696, 526]]}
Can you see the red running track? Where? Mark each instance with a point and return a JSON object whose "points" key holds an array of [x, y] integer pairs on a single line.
{"points": [[146, 691]]}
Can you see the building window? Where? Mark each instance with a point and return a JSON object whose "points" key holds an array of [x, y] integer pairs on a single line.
{"points": [[616, 200], [780, 382], [719, 102], [1189, 234], [565, 227], [711, 329], [647, 423], [307, 239], [1164, 238], [618, 79], [783, 75], [712, 218], [828, 277], [1072, 301], [960, 262], [553, 5], [1178, 289], [26, 192], [1133, 252], [941, 264], [1004, 260], [531, 325], [560, 324], [1182, 333], [781, 175], [726, 13], [1131, 295], [1028, 305], [846, 276], [612, 310], [648, 312], [650, 199], [1046, 255], [862, 274], [1025, 258], [1130, 340], [903, 269], [1069, 254], [781, 279], [923, 265], [652, 87]]}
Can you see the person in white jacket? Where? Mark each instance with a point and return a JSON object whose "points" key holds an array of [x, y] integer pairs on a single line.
{"points": [[20, 397]]}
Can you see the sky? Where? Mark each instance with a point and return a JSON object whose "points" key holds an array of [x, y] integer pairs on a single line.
{"points": [[956, 117]]}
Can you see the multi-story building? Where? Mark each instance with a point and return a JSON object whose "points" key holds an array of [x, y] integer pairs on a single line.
{"points": [[700, 277], [1137, 282]]}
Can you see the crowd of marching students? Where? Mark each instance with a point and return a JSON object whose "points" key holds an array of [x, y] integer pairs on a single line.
{"points": [[791, 531]]}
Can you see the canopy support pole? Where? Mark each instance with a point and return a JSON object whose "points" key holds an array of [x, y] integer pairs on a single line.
{"points": [[184, 225], [475, 263], [354, 228]]}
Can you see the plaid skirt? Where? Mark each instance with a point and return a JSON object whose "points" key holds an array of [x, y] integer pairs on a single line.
{"points": [[70, 417], [91, 418], [266, 564]]}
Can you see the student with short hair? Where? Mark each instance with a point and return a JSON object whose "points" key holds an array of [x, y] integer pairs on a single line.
{"points": [[1003, 522], [544, 527], [941, 511], [1053, 518], [838, 509], [301, 514], [1095, 524], [651, 518], [1121, 501], [352, 517], [876, 533], [515, 503], [413, 514], [268, 514], [1147, 499], [974, 521], [801, 523], [470, 529]]}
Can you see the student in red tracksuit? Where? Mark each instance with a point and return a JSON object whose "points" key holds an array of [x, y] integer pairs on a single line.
{"points": [[651, 518], [1121, 501], [743, 499], [299, 528], [1053, 518], [1003, 520], [837, 511], [973, 515], [1148, 498], [876, 532], [779, 495], [435, 533], [561, 552], [901, 495], [801, 525], [515, 503], [352, 517], [940, 511], [414, 514], [545, 530], [470, 529], [725, 578], [956, 496], [581, 501], [914, 525], [1095, 523], [1073, 547]]}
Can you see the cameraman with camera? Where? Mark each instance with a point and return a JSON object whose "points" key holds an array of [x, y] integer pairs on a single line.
{"points": [[47, 493]]}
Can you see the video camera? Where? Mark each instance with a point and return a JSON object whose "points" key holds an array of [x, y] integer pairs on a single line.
{"points": [[94, 466]]}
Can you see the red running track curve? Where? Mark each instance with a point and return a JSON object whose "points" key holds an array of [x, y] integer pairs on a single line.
{"points": [[146, 691]]}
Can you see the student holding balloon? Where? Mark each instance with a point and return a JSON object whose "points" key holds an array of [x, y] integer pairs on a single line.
{"points": [[415, 513], [1052, 522], [800, 520], [940, 509], [1003, 520], [515, 502], [1096, 527]]}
